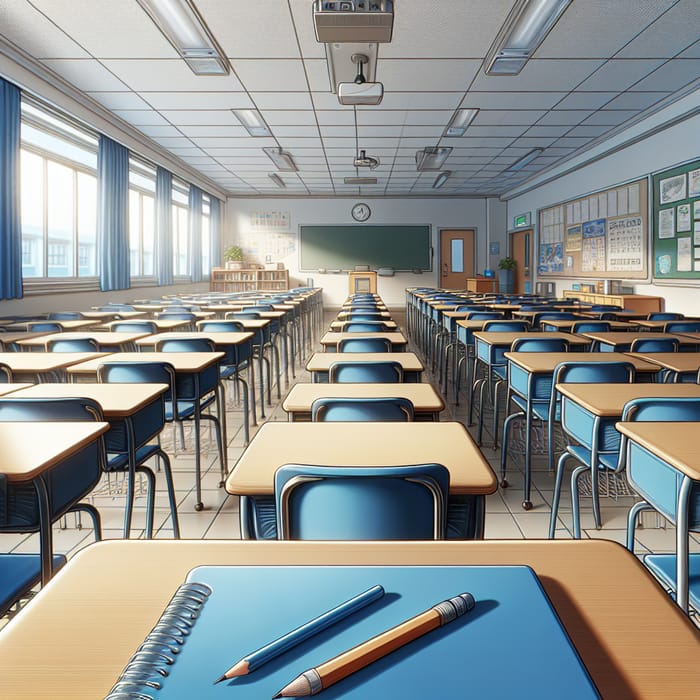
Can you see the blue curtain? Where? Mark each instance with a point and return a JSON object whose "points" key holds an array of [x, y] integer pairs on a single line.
{"points": [[215, 228], [113, 214], [10, 230], [195, 226], [164, 227]]}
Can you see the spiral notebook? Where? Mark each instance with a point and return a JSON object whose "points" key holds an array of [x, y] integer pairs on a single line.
{"points": [[510, 640]]}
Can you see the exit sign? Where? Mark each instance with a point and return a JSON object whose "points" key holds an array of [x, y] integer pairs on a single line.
{"points": [[521, 220]]}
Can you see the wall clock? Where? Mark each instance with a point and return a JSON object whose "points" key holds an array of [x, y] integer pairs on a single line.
{"points": [[361, 212]]}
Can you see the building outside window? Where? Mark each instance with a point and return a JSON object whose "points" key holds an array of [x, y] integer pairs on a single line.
{"points": [[142, 192], [181, 235]]}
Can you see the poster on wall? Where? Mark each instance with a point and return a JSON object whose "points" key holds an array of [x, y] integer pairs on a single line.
{"points": [[593, 246], [667, 223], [694, 183], [683, 217], [277, 220], [672, 189], [573, 238], [625, 242], [551, 258], [684, 257]]}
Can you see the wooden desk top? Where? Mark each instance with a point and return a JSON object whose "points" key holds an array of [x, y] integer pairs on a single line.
{"points": [[184, 362], [161, 324], [616, 338], [46, 361], [610, 402], [109, 338], [12, 387], [321, 361], [116, 400], [334, 338], [503, 340], [29, 448], [475, 325], [457, 314], [564, 324], [645, 323], [250, 324], [216, 338], [547, 361], [379, 314], [337, 325], [362, 445], [675, 361], [67, 325], [14, 337], [674, 442], [108, 315], [694, 336], [423, 396]]}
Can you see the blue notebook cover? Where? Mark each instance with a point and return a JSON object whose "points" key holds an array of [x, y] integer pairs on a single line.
{"points": [[510, 642]]}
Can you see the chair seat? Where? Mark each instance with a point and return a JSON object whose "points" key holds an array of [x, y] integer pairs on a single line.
{"points": [[185, 409], [663, 566], [119, 461], [19, 573], [607, 460]]}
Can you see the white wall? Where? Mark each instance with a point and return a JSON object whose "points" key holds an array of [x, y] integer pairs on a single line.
{"points": [[439, 213], [674, 145]]}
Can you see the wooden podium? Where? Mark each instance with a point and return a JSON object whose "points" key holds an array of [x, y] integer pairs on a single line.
{"points": [[363, 282]]}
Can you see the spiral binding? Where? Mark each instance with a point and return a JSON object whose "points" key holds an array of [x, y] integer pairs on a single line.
{"points": [[149, 664]]}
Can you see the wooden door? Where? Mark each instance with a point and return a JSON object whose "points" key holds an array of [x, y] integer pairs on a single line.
{"points": [[521, 249], [456, 257]]}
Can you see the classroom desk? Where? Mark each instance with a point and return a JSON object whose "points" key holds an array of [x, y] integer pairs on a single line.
{"points": [[8, 340], [123, 406], [427, 403], [380, 314], [662, 466], [620, 314], [29, 450], [12, 387], [44, 366], [339, 326], [104, 316], [620, 342], [162, 324], [590, 414], [680, 364], [330, 340], [67, 325], [633, 640], [566, 324], [319, 363], [106, 341], [364, 445], [198, 370]]}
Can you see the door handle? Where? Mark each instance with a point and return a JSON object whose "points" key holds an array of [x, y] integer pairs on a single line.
{"points": [[444, 269]]}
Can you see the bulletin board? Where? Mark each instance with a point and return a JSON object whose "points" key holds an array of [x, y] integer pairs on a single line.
{"points": [[676, 212], [603, 235]]}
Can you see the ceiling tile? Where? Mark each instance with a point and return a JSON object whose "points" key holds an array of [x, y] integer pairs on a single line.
{"points": [[609, 117], [119, 100], [543, 75], [505, 100], [585, 100], [671, 76], [499, 117], [191, 101], [563, 117], [636, 100], [201, 117], [436, 75], [281, 100], [619, 74], [139, 117], [265, 75], [87, 75]]}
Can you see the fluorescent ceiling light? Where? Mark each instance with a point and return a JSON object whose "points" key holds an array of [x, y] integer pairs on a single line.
{"points": [[185, 29], [360, 180], [522, 162], [277, 180], [252, 120], [524, 30], [281, 159], [460, 121], [432, 158], [441, 179]]}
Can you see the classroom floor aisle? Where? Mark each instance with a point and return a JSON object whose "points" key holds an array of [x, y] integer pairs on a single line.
{"points": [[505, 517]]}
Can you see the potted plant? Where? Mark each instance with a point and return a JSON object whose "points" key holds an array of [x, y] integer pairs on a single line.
{"points": [[506, 275], [233, 255]]}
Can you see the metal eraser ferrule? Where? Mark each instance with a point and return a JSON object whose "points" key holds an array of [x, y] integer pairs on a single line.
{"points": [[455, 607]]}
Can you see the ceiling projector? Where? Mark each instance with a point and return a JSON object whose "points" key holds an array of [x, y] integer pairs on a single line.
{"points": [[365, 161]]}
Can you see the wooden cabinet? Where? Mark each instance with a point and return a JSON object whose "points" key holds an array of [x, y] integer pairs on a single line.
{"points": [[482, 285], [363, 282], [248, 280], [632, 302]]}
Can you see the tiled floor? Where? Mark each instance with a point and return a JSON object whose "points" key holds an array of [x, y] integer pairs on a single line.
{"points": [[505, 517]]}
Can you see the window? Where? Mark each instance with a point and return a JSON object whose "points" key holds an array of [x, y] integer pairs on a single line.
{"points": [[181, 237], [142, 225], [206, 236], [58, 162]]}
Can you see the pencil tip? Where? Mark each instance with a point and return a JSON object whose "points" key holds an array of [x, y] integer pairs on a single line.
{"points": [[218, 680], [279, 695]]}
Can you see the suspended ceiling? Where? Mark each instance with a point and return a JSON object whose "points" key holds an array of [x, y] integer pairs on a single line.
{"points": [[604, 63]]}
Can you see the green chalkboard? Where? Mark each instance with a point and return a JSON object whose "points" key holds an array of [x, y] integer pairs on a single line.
{"points": [[676, 212], [344, 247]]}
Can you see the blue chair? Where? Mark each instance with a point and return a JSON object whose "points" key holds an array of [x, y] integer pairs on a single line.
{"points": [[664, 316], [361, 409], [665, 491], [364, 345], [365, 327], [655, 345], [591, 327], [682, 327], [541, 316], [64, 316], [19, 574], [594, 441], [44, 326], [5, 374], [72, 345], [139, 436], [29, 505], [361, 503], [135, 326], [364, 316], [169, 315], [506, 326], [365, 372]]}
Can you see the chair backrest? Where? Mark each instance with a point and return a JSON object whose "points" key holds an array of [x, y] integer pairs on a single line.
{"points": [[48, 326], [134, 327], [243, 315], [364, 345], [176, 316], [506, 326], [362, 409], [583, 372], [185, 345], [5, 374], [72, 345], [682, 327], [365, 327], [591, 327], [361, 503], [364, 316], [663, 316], [258, 307], [64, 316], [540, 316], [605, 307], [539, 345], [484, 315], [655, 345], [468, 307], [146, 372], [220, 326], [365, 372]]}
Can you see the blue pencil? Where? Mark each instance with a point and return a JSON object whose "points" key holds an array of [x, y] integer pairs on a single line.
{"points": [[296, 636]]}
